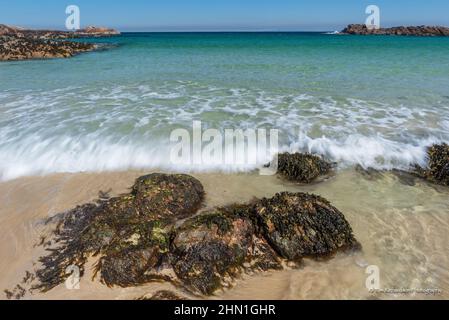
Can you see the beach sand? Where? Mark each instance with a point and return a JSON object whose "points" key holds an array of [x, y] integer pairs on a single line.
{"points": [[402, 225]]}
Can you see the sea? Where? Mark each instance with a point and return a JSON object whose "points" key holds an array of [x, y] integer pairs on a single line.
{"points": [[374, 101]]}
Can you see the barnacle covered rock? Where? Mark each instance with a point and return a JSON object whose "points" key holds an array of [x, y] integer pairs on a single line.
{"points": [[301, 225], [302, 167], [216, 246], [437, 169]]}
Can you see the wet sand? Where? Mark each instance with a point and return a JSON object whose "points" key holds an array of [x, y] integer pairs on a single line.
{"points": [[402, 224]]}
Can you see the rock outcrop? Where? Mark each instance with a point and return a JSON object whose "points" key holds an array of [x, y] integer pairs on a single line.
{"points": [[90, 31], [96, 31], [18, 48], [141, 237], [422, 31], [5, 29], [20, 44], [302, 167]]}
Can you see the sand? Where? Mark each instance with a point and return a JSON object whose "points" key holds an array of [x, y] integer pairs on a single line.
{"points": [[402, 225]]}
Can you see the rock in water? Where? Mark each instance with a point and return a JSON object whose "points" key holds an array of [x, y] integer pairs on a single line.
{"points": [[215, 246], [422, 31], [299, 225], [437, 170], [302, 167], [18, 48]]}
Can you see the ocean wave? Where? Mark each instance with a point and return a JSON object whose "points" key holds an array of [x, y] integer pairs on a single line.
{"points": [[123, 127]]}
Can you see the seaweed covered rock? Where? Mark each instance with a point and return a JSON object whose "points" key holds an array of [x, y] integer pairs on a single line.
{"points": [[302, 167], [135, 237], [129, 233], [437, 170], [213, 247], [301, 225]]}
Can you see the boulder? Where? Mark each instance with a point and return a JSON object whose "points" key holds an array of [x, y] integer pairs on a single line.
{"points": [[299, 225], [302, 167]]}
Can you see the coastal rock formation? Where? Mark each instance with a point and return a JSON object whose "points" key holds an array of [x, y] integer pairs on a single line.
{"points": [[437, 170], [140, 237], [96, 32], [423, 31], [18, 48], [5, 29], [302, 167], [90, 31], [18, 44]]}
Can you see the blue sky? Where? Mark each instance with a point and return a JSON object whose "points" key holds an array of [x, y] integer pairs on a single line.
{"points": [[188, 15]]}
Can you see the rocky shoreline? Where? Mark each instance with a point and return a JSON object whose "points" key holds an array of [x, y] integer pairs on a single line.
{"points": [[159, 233], [421, 31], [21, 44]]}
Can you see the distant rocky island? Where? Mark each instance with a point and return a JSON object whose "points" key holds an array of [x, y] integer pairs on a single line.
{"points": [[422, 31], [17, 43]]}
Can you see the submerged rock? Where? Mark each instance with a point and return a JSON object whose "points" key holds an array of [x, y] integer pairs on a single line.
{"points": [[369, 173], [299, 225], [302, 167], [437, 169], [215, 246]]}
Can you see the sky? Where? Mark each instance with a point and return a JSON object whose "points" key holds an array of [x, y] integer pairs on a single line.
{"points": [[222, 15]]}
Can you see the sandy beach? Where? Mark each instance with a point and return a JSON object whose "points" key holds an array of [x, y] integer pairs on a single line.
{"points": [[401, 223]]}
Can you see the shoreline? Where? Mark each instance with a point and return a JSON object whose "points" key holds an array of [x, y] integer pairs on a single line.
{"points": [[390, 219]]}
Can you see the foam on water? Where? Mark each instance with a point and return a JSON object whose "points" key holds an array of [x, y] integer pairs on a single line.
{"points": [[79, 128]]}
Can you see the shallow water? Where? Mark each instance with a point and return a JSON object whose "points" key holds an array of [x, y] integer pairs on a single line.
{"points": [[401, 223], [375, 101]]}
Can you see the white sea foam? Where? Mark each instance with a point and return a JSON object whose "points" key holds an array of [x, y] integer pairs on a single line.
{"points": [[128, 126]]}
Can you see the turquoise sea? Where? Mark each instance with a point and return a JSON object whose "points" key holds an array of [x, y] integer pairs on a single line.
{"points": [[375, 101]]}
